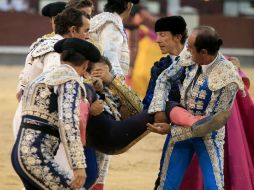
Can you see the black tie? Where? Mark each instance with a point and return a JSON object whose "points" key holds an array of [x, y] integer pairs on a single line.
{"points": [[199, 71], [177, 58]]}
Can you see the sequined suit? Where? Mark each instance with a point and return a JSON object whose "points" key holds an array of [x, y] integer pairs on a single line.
{"points": [[50, 114], [202, 93]]}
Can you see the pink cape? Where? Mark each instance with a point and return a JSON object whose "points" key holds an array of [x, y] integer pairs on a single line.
{"points": [[84, 114], [238, 148]]}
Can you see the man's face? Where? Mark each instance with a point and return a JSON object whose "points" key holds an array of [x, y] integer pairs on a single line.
{"points": [[196, 57], [167, 42], [100, 65], [83, 31]]}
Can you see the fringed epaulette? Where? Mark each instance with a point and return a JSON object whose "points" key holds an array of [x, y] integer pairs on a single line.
{"points": [[98, 21], [39, 40], [61, 75], [44, 45], [185, 59], [224, 73], [129, 100]]}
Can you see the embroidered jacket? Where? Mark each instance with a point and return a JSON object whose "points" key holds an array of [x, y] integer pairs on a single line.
{"points": [[156, 70], [221, 75], [53, 98], [40, 58], [108, 32]]}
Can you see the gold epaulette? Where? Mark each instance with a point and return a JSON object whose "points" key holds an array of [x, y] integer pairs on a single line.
{"points": [[88, 80]]}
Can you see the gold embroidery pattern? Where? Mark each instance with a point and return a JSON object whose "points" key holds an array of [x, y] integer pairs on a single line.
{"points": [[216, 159], [36, 100], [166, 164], [112, 103], [38, 92], [33, 166], [130, 102], [179, 133], [223, 74], [69, 124]]}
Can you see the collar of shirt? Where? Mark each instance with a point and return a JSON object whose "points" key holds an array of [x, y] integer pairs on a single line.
{"points": [[58, 36], [175, 57], [205, 67]]}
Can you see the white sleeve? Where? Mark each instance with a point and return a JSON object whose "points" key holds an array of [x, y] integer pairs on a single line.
{"points": [[25, 73], [51, 60], [111, 40]]}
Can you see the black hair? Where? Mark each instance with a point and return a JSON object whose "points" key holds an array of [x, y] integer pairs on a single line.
{"points": [[68, 18], [78, 4], [207, 38], [118, 6], [184, 36], [73, 56], [104, 60]]}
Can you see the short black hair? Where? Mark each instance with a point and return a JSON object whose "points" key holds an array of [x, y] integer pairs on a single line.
{"points": [[78, 4], [68, 18], [207, 38], [118, 6], [184, 36]]}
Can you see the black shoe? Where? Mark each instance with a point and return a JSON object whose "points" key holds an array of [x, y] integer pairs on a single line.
{"points": [[210, 124]]}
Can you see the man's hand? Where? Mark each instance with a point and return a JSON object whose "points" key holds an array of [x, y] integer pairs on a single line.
{"points": [[79, 178], [160, 128], [97, 83], [103, 73], [19, 94], [97, 107], [160, 117]]}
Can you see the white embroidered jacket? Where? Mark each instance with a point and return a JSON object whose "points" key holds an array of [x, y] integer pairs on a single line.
{"points": [[42, 57], [107, 31]]}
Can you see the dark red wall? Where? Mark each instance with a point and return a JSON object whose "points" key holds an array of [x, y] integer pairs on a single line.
{"points": [[205, 7], [22, 28], [237, 32]]}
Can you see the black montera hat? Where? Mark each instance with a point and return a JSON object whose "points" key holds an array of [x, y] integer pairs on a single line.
{"points": [[52, 9], [173, 24], [81, 46]]}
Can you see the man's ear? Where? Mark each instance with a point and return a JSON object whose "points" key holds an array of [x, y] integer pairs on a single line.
{"points": [[85, 66], [72, 30], [179, 37]]}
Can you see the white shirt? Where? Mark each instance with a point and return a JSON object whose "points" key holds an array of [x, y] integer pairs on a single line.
{"points": [[205, 67]]}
